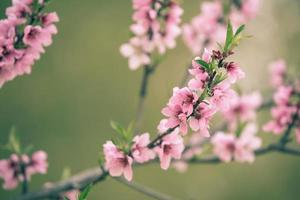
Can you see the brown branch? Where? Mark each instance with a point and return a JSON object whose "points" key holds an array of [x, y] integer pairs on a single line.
{"points": [[144, 190]]}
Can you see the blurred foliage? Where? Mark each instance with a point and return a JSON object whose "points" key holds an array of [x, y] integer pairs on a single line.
{"points": [[82, 83]]}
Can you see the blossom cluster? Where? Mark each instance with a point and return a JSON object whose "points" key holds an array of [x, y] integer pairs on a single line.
{"points": [[208, 28], [286, 99], [190, 107], [155, 28], [23, 35], [17, 168], [240, 148]]}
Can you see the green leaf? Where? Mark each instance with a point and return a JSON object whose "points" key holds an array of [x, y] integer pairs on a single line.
{"points": [[117, 127], [240, 128], [129, 132], [66, 198], [239, 30], [28, 149], [229, 37], [84, 194], [204, 64], [14, 142]]}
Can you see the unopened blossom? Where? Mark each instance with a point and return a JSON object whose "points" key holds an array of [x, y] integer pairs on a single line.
{"points": [[229, 147], [171, 147], [139, 150], [199, 73], [278, 71], [72, 195], [116, 162]]}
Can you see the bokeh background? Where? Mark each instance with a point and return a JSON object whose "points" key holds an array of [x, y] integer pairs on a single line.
{"points": [[82, 82]]}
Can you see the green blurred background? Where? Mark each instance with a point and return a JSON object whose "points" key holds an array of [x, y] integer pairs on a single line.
{"points": [[82, 82]]}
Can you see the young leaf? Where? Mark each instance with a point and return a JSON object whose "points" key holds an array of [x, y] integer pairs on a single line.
{"points": [[229, 37], [204, 64], [239, 30], [14, 142], [117, 127], [84, 194]]}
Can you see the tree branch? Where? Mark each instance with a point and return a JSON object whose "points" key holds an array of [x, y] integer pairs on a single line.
{"points": [[144, 190]]}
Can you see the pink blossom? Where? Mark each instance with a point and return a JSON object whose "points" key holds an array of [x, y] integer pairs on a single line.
{"points": [[250, 8], [242, 108], [170, 147], [185, 98], [153, 31], [140, 152], [199, 73], [282, 116], [18, 61], [8, 173], [116, 162], [72, 195], [199, 122], [176, 117], [228, 147], [133, 51], [221, 96], [277, 70], [234, 72], [282, 95], [246, 144], [38, 163]]}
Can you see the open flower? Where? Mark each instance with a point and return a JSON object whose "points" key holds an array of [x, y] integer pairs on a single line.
{"points": [[170, 147], [116, 162], [227, 147], [199, 122], [140, 152]]}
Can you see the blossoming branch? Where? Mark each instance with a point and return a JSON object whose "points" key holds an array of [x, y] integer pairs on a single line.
{"points": [[23, 35]]}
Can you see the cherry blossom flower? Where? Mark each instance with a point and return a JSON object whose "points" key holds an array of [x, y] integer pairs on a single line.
{"points": [[11, 169], [199, 122], [277, 70], [243, 108], [171, 147], [140, 152], [228, 147], [116, 162], [21, 47], [155, 28], [209, 28]]}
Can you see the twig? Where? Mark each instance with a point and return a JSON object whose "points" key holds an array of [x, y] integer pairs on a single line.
{"points": [[148, 70], [25, 179], [145, 190], [78, 181]]}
